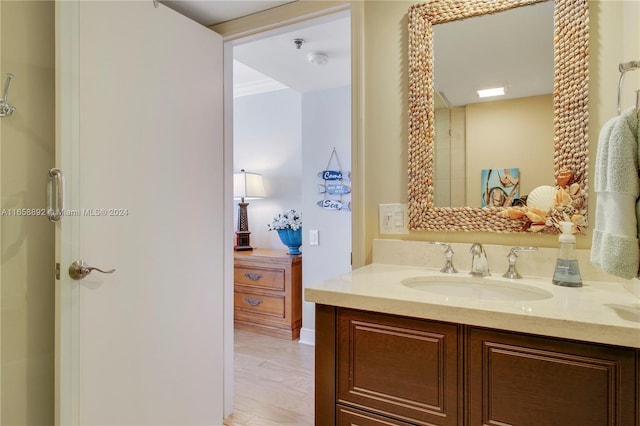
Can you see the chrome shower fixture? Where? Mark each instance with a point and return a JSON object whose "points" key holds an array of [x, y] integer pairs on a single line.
{"points": [[6, 109]]}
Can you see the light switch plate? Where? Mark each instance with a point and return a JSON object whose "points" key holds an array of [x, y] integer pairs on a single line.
{"points": [[393, 219], [313, 237]]}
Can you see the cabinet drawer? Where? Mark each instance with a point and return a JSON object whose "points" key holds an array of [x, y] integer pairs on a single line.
{"points": [[271, 305], [346, 416], [269, 278]]}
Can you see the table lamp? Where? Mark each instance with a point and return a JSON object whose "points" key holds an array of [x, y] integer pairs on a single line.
{"points": [[246, 186]]}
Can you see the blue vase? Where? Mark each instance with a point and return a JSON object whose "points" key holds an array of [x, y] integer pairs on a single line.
{"points": [[291, 239]]}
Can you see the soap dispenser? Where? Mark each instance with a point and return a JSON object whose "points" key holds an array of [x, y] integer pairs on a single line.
{"points": [[567, 272]]}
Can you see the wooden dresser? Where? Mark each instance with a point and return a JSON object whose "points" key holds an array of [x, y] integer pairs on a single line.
{"points": [[268, 292]]}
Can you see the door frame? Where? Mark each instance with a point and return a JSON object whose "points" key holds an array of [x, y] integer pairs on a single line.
{"points": [[255, 26], [0, 236]]}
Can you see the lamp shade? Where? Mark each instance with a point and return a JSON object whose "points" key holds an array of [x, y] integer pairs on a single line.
{"points": [[248, 185]]}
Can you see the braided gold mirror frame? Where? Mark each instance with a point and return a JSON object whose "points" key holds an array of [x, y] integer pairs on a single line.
{"points": [[570, 100]]}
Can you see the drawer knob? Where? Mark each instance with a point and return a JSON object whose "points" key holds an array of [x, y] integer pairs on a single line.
{"points": [[253, 277], [252, 301]]}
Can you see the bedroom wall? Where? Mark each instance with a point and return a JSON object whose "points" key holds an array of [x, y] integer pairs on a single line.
{"points": [[289, 137], [326, 124], [268, 140]]}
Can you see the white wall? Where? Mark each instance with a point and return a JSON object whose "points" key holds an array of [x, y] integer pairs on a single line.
{"points": [[267, 139], [326, 124]]}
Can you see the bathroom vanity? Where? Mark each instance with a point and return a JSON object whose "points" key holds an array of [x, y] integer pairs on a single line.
{"points": [[398, 345]]}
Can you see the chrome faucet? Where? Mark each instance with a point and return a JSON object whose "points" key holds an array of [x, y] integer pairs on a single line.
{"points": [[479, 262], [448, 267], [512, 273]]}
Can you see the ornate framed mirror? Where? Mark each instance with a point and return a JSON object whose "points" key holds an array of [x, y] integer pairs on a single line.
{"points": [[570, 122]]}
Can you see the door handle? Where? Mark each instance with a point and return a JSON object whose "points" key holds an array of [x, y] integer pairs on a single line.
{"points": [[56, 179], [80, 269], [253, 302], [253, 277]]}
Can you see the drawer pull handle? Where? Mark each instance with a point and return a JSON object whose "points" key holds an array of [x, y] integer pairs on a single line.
{"points": [[253, 302], [253, 277]]}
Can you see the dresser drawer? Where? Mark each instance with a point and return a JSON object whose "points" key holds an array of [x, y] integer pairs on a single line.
{"points": [[254, 276], [261, 304]]}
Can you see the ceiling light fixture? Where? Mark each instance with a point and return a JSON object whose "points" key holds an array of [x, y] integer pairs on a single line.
{"points": [[318, 58], [496, 91]]}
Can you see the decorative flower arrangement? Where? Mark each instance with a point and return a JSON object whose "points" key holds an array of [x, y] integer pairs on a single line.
{"points": [[289, 219], [568, 205]]}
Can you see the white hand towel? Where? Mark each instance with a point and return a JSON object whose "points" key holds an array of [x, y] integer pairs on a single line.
{"points": [[615, 247]]}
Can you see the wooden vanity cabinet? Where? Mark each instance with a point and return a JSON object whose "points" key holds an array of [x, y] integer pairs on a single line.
{"points": [[376, 369], [268, 292]]}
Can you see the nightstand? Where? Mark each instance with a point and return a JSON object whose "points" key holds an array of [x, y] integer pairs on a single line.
{"points": [[268, 292]]}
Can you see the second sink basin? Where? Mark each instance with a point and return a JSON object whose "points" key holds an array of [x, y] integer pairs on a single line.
{"points": [[480, 288]]}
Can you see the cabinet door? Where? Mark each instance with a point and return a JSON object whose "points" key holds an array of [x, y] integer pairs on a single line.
{"points": [[525, 380], [399, 367]]}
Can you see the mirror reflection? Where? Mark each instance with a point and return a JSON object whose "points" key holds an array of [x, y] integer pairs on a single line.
{"points": [[492, 151], [569, 179]]}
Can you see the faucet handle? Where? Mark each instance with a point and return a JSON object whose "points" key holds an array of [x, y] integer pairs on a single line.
{"points": [[512, 272], [448, 267]]}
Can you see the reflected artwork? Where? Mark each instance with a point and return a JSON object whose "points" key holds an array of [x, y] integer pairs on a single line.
{"points": [[500, 187]]}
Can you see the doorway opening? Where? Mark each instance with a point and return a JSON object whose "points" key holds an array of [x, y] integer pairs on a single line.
{"points": [[291, 121]]}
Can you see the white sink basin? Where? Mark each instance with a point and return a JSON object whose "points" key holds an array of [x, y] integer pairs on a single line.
{"points": [[477, 288], [627, 312]]}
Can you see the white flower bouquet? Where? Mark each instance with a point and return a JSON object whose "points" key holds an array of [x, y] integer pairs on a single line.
{"points": [[289, 219]]}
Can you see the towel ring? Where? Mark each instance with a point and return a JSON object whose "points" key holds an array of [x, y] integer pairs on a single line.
{"points": [[623, 68]]}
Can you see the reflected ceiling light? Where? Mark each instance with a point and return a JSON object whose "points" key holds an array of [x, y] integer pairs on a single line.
{"points": [[496, 91], [318, 58]]}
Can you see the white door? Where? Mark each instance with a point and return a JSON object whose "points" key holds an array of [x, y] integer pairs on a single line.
{"points": [[139, 98]]}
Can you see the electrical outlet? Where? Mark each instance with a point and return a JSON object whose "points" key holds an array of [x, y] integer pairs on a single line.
{"points": [[393, 219]]}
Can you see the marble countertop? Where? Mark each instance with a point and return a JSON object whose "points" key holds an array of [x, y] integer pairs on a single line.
{"points": [[600, 312]]}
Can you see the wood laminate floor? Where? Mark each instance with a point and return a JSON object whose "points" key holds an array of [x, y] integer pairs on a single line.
{"points": [[273, 381]]}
